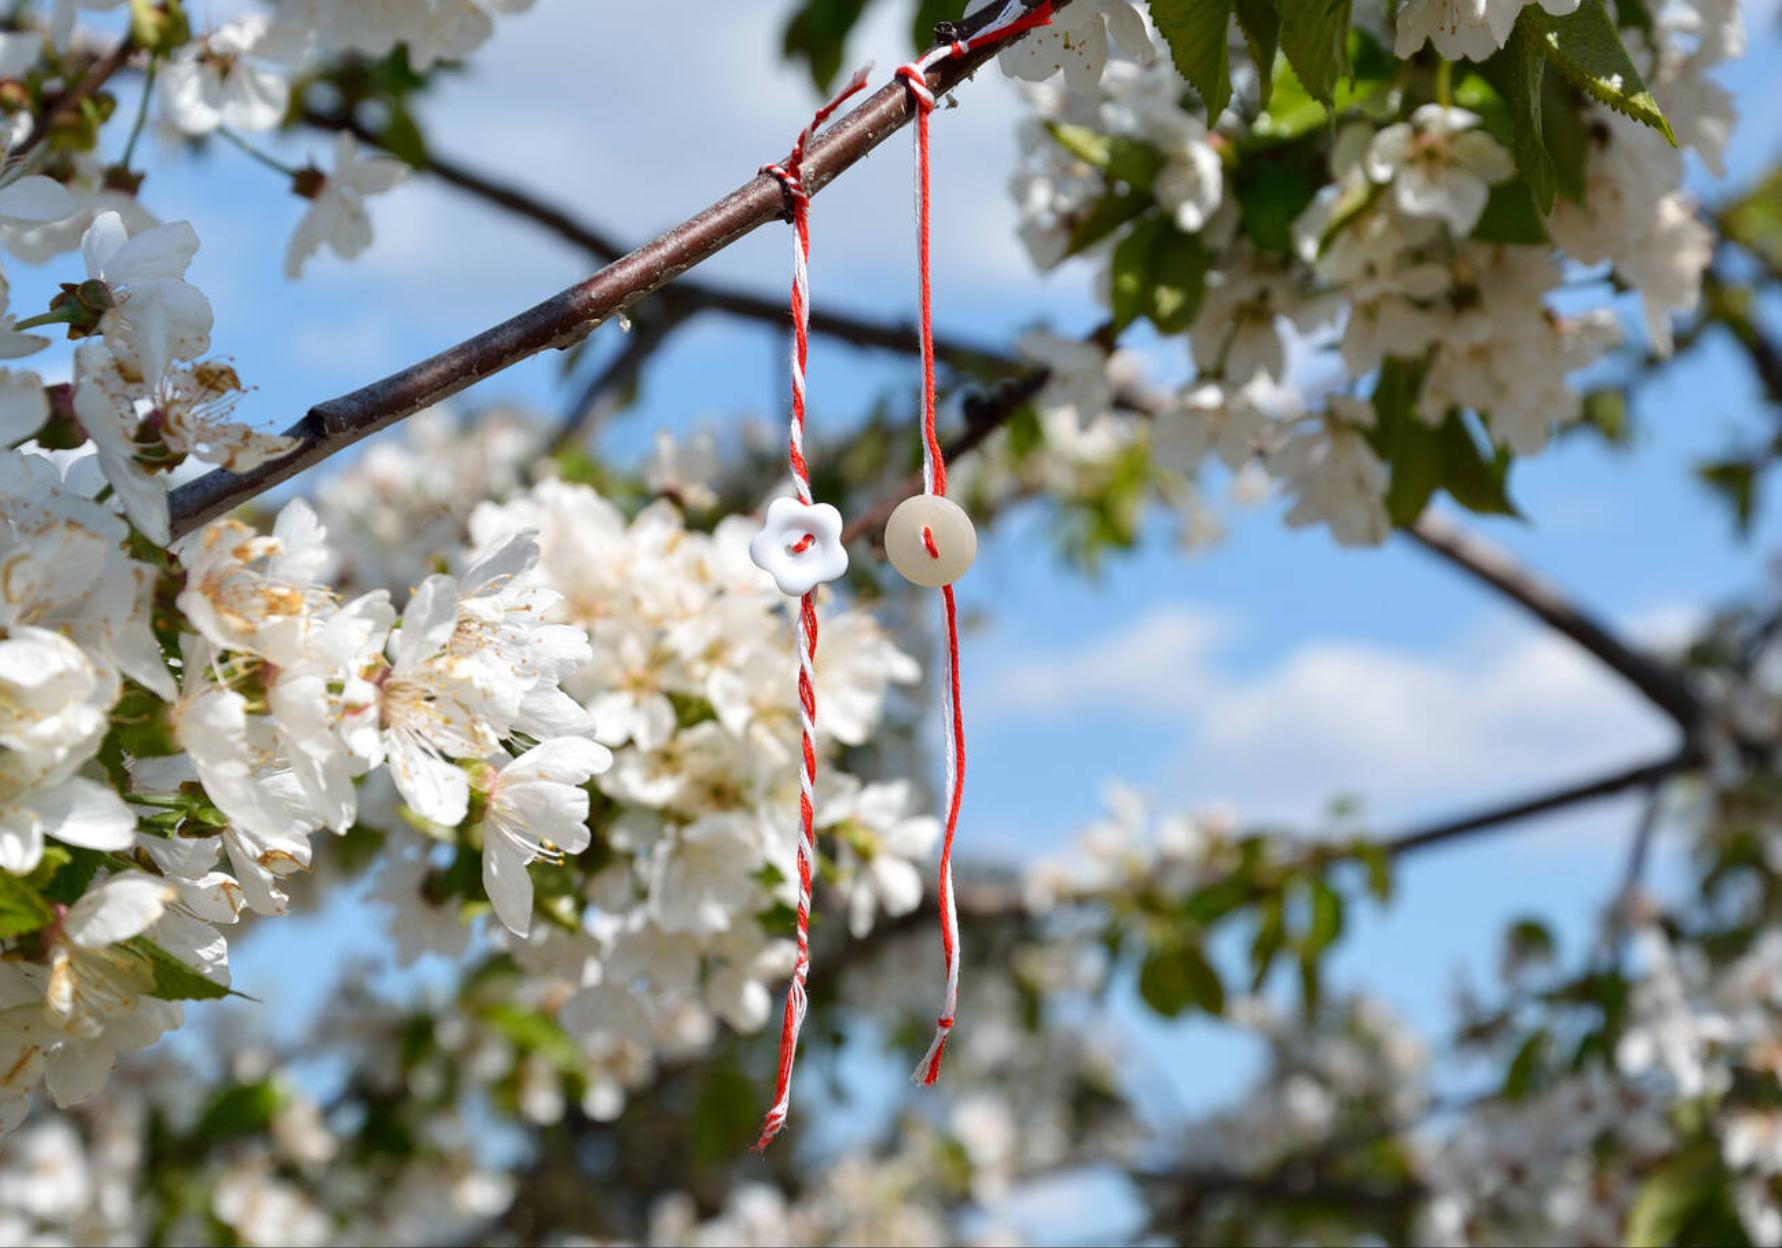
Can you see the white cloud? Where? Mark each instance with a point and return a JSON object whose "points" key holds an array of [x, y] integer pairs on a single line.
{"points": [[1501, 711], [1156, 665]]}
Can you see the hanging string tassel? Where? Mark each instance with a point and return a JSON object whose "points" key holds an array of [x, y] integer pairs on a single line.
{"points": [[1014, 18], [801, 546]]}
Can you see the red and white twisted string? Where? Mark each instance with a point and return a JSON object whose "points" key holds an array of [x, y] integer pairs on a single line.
{"points": [[1014, 18], [790, 176]]}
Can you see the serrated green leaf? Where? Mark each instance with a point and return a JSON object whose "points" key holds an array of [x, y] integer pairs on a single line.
{"points": [[1517, 71], [1315, 37], [1196, 33], [1566, 130], [1262, 34], [174, 980], [1585, 46], [21, 909]]}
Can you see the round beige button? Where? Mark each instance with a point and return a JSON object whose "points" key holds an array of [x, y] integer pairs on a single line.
{"points": [[916, 523]]}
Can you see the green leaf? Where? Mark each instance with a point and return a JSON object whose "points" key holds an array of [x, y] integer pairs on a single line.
{"points": [[1403, 440], [817, 34], [1517, 71], [1525, 1065], [1326, 925], [1121, 159], [1271, 938], [1195, 31], [174, 979], [1378, 863], [1179, 265], [1585, 46], [1315, 37], [1107, 215], [1735, 481], [1566, 131], [1512, 215], [1605, 411], [245, 1109], [1476, 479], [724, 1116], [1755, 220], [1530, 940], [21, 909], [532, 1032], [1262, 33], [1130, 272], [1675, 1194], [77, 868], [1271, 196], [1176, 975]]}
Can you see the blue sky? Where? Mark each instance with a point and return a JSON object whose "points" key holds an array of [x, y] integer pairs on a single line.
{"points": [[1273, 671]]}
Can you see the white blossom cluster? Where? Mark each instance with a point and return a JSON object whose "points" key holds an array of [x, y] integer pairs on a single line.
{"points": [[280, 698], [690, 682], [1383, 263]]}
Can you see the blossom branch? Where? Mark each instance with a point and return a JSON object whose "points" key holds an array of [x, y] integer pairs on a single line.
{"points": [[90, 84], [568, 317]]}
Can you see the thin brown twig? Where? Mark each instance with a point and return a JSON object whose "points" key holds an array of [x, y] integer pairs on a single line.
{"points": [[568, 317], [1643, 775], [1484, 561], [984, 419], [607, 392], [90, 84], [845, 327]]}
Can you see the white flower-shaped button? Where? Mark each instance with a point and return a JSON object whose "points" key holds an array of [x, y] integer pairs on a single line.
{"points": [[800, 546]]}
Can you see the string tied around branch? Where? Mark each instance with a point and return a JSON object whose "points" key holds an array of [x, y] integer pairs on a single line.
{"points": [[800, 546], [929, 538]]}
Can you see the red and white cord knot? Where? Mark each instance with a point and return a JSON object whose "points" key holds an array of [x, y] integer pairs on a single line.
{"points": [[1014, 19], [800, 545]]}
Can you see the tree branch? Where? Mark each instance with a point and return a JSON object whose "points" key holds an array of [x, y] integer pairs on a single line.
{"points": [[691, 296], [95, 78], [1645, 775], [604, 395], [982, 419], [1482, 560], [568, 317]]}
